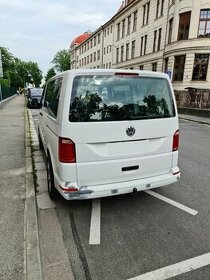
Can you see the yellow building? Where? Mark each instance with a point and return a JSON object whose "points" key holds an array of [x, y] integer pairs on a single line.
{"points": [[170, 36]]}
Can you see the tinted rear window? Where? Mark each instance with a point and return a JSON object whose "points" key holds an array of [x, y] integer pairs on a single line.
{"points": [[36, 92], [117, 98]]}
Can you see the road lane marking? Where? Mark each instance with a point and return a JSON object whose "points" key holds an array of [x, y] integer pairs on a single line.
{"points": [[176, 269], [172, 202], [95, 223]]}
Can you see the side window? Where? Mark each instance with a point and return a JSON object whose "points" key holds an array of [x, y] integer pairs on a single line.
{"points": [[52, 96]]}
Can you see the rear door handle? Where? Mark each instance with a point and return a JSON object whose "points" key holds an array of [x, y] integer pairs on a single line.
{"points": [[129, 168], [41, 113]]}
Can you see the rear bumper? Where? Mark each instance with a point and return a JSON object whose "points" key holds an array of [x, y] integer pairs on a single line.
{"points": [[91, 192]]}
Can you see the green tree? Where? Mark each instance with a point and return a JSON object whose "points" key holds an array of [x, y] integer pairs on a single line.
{"points": [[50, 74], [34, 73], [7, 61], [61, 60], [19, 72]]}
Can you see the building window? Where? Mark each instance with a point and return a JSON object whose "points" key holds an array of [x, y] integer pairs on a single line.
{"points": [[154, 67], [122, 53], [155, 39], [146, 13], [99, 38], [142, 42], [123, 28], [91, 57], [157, 8], [204, 26], [145, 44], [141, 67], [162, 7], [127, 51], [170, 29], [147, 18], [133, 49], [88, 59], [98, 54], [134, 21], [166, 65], [129, 25], [91, 43], [184, 26], [179, 64], [94, 56], [117, 55], [159, 39], [118, 31], [110, 66], [104, 50], [200, 67], [94, 41]]}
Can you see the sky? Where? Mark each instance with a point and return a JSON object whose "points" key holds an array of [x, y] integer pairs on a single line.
{"points": [[35, 30]]}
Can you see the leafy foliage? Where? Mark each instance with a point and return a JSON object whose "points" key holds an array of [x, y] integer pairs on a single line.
{"points": [[61, 60], [19, 72], [50, 74]]}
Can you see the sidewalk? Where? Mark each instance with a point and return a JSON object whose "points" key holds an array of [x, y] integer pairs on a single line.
{"points": [[195, 118], [19, 250]]}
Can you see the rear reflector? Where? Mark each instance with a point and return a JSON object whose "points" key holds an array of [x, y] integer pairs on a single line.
{"points": [[175, 146], [69, 189], [66, 150], [126, 74]]}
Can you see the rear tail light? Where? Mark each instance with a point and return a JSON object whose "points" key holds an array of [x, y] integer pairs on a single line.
{"points": [[66, 150], [175, 141], [72, 189]]}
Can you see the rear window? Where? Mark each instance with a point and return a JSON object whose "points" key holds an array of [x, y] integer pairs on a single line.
{"points": [[36, 92], [117, 98]]}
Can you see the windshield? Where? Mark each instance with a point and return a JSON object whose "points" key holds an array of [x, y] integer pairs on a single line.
{"points": [[116, 98]]}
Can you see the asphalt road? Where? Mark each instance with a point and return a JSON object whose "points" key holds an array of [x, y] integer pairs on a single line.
{"points": [[142, 233]]}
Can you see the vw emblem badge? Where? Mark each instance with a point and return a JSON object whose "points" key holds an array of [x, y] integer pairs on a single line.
{"points": [[130, 131]]}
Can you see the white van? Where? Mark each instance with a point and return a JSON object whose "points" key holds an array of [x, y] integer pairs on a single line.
{"points": [[108, 132]]}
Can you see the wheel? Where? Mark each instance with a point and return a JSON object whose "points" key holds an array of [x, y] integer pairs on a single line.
{"points": [[53, 193], [41, 147]]}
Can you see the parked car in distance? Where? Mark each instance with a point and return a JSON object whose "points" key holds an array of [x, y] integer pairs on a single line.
{"points": [[107, 132], [34, 97]]}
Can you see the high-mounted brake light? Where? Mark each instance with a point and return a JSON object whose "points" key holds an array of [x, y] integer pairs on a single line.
{"points": [[66, 150], [175, 146], [126, 74]]}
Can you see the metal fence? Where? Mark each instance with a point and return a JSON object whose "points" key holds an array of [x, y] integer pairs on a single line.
{"points": [[7, 92], [193, 98]]}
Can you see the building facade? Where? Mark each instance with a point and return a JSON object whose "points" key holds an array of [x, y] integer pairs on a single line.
{"points": [[171, 36]]}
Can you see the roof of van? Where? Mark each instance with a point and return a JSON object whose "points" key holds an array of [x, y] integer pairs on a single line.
{"points": [[109, 71]]}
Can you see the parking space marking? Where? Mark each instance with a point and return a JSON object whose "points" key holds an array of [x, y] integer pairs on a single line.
{"points": [[95, 223], [172, 202], [176, 269]]}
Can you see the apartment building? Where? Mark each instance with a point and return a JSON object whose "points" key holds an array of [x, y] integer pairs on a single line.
{"points": [[171, 36]]}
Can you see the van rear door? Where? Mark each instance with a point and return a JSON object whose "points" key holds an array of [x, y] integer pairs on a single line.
{"points": [[122, 125]]}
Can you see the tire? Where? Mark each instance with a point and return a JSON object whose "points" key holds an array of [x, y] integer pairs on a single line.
{"points": [[41, 147], [53, 193]]}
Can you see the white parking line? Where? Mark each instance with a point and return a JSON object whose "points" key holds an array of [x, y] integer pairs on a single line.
{"points": [[172, 202], [176, 269], [95, 223]]}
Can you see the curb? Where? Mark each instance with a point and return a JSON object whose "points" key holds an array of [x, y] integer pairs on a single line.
{"points": [[4, 102], [32, 262], [54, 257], [196, 121]]}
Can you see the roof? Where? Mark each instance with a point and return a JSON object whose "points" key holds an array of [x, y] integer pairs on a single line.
{"points": [[79, 39]]}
